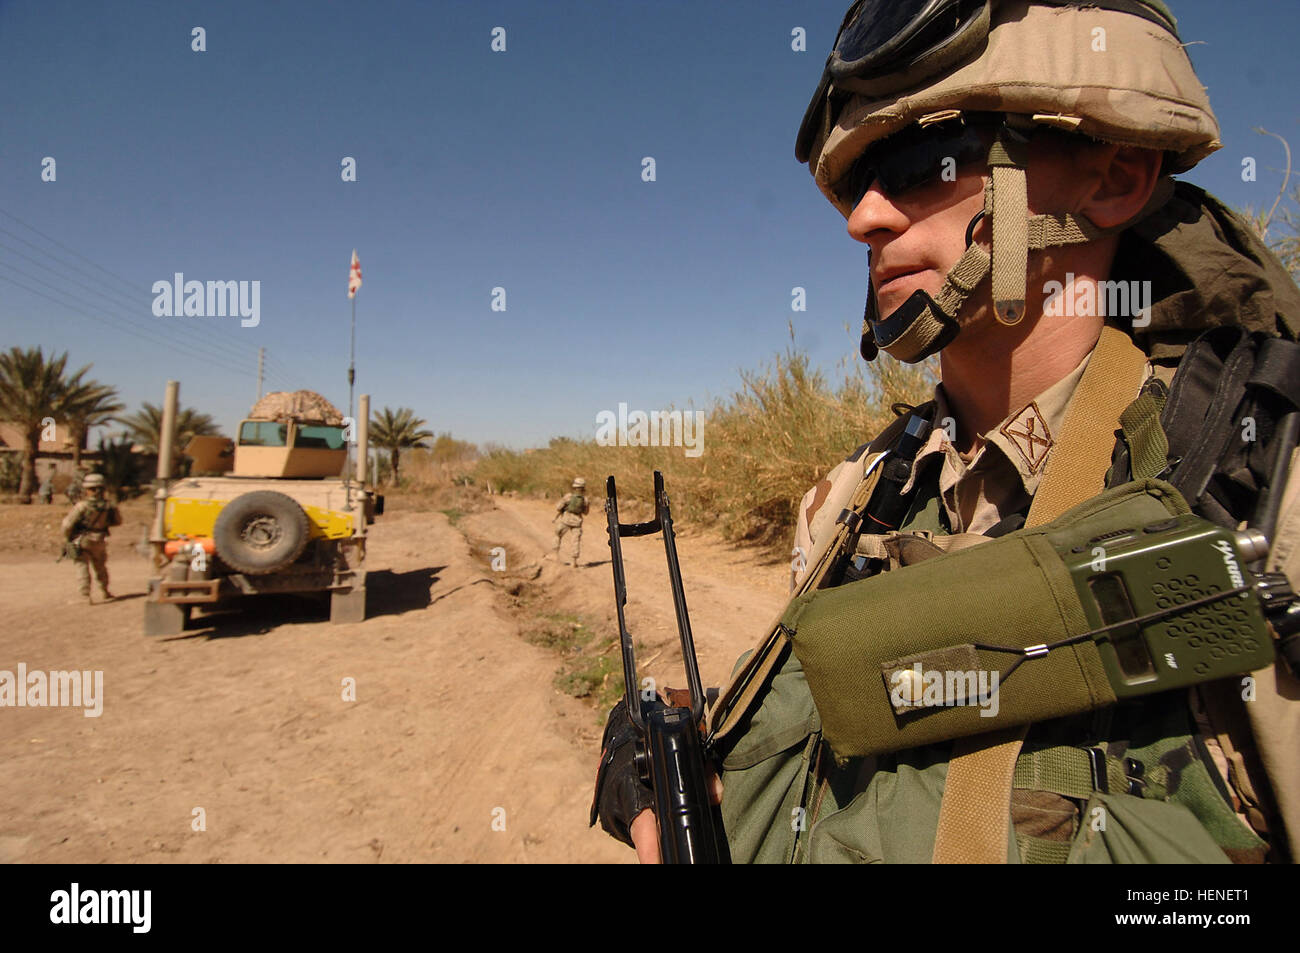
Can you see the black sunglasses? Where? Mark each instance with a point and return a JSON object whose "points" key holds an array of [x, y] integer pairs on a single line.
{"points": [[917, 156]]}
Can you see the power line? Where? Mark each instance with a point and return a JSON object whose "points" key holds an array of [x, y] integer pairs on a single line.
{"points": [[214, 341], [231, 354], [184, 349], [140, 329], [54, 241], [230, 350]]}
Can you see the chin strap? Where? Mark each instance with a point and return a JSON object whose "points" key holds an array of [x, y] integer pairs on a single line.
{"points": [[922, 325], [1006, 200]]}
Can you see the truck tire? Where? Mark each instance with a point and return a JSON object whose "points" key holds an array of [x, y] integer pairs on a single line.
{"points": [[260, 532]]}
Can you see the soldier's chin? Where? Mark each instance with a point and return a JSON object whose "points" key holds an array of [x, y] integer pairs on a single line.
{"points": [[891, 295]]}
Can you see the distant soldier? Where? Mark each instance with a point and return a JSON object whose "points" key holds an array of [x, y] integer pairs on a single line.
{"points": [[86, 531], [570, 512], [73, 489], [46, 492]]}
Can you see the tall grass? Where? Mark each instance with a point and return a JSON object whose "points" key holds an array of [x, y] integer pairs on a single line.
{"points": [[447, 461], [764, 446]]}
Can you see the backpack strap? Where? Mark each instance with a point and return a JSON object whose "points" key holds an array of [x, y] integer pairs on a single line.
{"points": [[975, 817]]}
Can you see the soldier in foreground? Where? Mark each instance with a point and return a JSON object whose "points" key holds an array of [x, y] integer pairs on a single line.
{"points": [[569, 513], [1006, 172], [85, 530]]}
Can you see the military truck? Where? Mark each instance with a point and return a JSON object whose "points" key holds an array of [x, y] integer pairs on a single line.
{"points": [[273, 511]]}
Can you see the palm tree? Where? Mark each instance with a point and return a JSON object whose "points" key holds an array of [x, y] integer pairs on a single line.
{"points": [[87, 405], [120, 466], [31, 390], [397, 431], [144, 426]]}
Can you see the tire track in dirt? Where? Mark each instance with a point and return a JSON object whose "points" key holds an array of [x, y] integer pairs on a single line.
{"points": [[732, 592], [455, 722]]}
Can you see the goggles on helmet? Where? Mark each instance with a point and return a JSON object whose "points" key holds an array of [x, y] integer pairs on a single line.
{"points": [[881, 36], [884, 46]]}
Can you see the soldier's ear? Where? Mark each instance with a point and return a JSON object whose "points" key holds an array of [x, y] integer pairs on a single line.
{"points": [[1124, 179]]}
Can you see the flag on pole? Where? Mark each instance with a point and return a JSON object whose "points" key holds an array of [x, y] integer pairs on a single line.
{"points": [[354, 277]]}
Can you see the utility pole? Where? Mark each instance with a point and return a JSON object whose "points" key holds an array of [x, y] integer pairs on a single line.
{"points": [[261, 355]]}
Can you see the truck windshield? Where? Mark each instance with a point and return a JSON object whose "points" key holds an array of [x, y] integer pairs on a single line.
{"points": [[262, 433], [319, 438]]}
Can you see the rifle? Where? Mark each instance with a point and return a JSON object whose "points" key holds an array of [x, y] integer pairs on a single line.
{"points": [[669, 752], [71, 550]]}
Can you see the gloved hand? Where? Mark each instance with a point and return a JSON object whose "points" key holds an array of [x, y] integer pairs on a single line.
{"points": [[620, 793]]}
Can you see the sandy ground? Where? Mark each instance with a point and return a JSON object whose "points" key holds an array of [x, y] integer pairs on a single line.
{"points": [[456, 749]]}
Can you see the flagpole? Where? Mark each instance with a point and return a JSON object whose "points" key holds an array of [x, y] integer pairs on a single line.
{"points": [[354, 283], [352, 355], [352, 376]]}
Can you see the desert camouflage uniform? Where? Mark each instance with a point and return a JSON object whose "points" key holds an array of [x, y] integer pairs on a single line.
{"points": [[88, 526], [571, 509]]}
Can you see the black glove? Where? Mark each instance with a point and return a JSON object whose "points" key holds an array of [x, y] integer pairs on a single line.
{"points": [[620, 793]]}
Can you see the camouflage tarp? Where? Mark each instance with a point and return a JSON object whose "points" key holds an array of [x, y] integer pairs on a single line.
{"points": [[301, 405]]}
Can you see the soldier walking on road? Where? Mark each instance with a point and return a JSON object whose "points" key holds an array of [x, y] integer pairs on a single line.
{"points": [[46, 492], [570, 512], [86, 530]]}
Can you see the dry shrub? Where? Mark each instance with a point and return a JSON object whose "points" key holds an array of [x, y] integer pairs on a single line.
{"points": [[763, 447]]}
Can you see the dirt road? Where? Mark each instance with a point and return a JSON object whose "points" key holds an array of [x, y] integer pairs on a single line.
{"points": [[235, 742]]}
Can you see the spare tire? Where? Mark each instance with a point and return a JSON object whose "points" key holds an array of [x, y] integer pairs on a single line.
{"points": [[261, 532]]}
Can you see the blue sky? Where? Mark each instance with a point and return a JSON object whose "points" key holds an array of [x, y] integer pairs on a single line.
{"points": [[475, 170]]}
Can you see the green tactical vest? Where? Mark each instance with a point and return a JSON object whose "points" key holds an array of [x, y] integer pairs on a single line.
{"points": [[95, 517], [1145, 793], [577, 504]]}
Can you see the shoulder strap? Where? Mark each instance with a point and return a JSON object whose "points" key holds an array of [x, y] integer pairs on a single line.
{"points": [[974, 817]]}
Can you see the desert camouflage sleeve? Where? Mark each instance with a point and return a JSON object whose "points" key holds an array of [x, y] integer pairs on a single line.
{"points": [[70, 521]]}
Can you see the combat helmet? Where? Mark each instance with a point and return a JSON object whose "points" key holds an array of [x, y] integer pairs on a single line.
{"points": [[579, 483], [92, 480], [1111, 70]]}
